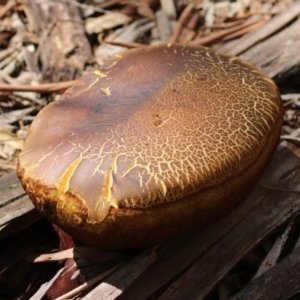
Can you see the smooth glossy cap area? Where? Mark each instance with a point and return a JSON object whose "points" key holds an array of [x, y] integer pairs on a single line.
{"points": [[167, 136]]}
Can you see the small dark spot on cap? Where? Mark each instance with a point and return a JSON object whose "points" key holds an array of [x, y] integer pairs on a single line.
{"points": [[157, 120]]}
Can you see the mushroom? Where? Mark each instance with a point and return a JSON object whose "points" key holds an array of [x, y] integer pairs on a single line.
{"points": [[158, 141]]}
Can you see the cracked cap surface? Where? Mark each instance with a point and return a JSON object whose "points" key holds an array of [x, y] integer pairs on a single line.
{"points": [[150, 128]]}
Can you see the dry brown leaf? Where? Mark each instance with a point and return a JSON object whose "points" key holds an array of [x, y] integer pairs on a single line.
{"points": [[129, 33], [45, 287], [11, 117], [163, 25], [168, 6], [144, 9], [108, 21], [10, 139], [89, 283]]}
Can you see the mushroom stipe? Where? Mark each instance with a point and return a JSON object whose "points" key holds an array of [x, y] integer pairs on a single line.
{"points": [[158, 141]]}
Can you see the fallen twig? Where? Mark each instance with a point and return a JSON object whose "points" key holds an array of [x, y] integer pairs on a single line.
{"points": [[58, 87], [250, 14], [268, 29], [223, 25], [184, 15], [129, 45], [247, 29], [217, 36], [8, 6]]}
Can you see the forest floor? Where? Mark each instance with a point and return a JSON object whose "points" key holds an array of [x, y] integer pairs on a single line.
{"points": [[44, 47]]}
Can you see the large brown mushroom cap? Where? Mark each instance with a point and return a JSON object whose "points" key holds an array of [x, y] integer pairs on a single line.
{"points": [[156, 142]]}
